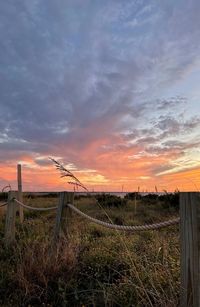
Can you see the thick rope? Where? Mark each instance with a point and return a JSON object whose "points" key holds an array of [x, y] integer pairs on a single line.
{"points": [[4, 204], [105, 224], [34, 208], [126, 228]]}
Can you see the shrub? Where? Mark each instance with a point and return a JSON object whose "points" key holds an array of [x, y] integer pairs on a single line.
{"points": [[170, 200], [3, 196], [45, 278], [132, 196], [107, 200], [150, 198], [33, 195], [83, 195]]}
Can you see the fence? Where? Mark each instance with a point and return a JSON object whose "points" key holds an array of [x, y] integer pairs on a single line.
{"points": [[189, 234]]}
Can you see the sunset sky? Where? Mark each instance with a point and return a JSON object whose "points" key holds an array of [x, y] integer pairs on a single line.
{"points": [[111, 89]]}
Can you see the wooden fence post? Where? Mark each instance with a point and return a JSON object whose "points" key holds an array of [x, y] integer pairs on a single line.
{"points": [[190, 249], [58, 217], [20, 195], [67, 213], [10, 218], [63, 213]]}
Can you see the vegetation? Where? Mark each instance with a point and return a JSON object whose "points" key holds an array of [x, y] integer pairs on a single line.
{"points": [[107, 200], [3, 196], [133, 196], [168, 200], [94, 266]]}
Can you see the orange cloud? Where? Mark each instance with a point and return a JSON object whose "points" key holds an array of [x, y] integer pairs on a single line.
{"points": [[102, 165]]}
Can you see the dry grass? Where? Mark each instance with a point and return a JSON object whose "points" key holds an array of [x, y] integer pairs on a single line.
{"points": [[38, 271], [95, 266]]}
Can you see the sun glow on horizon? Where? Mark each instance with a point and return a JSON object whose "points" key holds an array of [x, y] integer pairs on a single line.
{"points": [[47, 178]]}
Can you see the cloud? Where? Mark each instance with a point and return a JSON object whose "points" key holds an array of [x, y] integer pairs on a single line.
{"points": [[173, 102], [87, 81]]}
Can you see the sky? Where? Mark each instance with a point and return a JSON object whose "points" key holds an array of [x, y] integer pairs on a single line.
{"points": [[108, 88]]}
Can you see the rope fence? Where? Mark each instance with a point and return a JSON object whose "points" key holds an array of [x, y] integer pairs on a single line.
{"points": [[125, 227], [102, 223], [105, 224], [34, 208]]}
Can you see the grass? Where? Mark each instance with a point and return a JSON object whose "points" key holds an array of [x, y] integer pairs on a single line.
{"points": [[94, 266]]}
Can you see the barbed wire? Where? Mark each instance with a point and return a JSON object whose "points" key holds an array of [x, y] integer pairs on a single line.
{"points": [[34, 208], [125, 227]]}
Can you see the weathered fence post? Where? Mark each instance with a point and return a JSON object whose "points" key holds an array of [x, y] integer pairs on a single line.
{"points": [[63, 213], [190, 249], [67, 213], [10, 218], [58, 217], [20, 196]]}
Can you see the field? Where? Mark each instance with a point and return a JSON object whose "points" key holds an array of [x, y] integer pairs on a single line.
{"points": [[93, 266]]}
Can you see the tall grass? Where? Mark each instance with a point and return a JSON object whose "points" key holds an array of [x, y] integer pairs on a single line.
{"points": [[95, 266]]}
